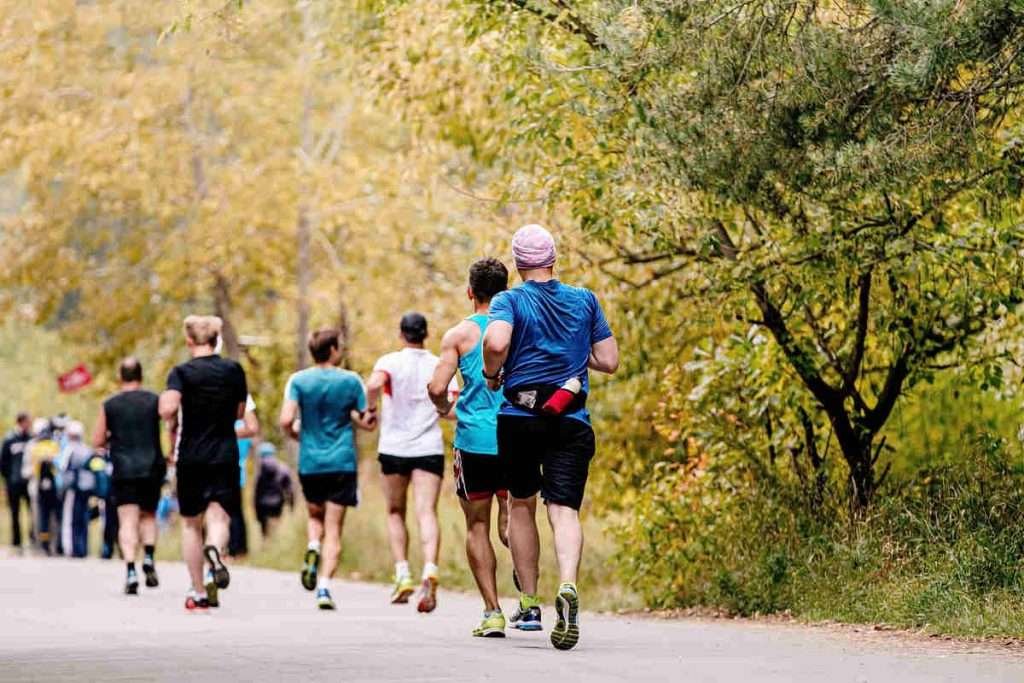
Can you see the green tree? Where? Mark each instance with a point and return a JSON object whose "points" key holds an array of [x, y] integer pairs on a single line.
{"points": [[846, 177]]}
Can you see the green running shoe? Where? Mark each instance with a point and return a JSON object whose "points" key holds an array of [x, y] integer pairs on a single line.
{"points": [[403, 589], [566, 632], [212, 592], [310, 567], [493, 625]]}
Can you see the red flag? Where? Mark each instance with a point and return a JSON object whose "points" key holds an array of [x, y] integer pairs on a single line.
{"points": [[75, 379]]}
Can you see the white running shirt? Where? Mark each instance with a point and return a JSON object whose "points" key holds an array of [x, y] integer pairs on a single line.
{"points": [[409, 422]]}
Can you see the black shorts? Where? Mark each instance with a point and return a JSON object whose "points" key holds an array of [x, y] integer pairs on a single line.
{"points": [[341, 488], [546, 454], [394, 464], [478, 476], [142, 492], [200, 485], [264, 512]]}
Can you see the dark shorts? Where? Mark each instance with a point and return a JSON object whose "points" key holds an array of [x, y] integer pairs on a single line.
{"points": [[478, 476], [200, 485], [268, 511], [341, 488], [546, 454], [142, 492], [393, 464]]}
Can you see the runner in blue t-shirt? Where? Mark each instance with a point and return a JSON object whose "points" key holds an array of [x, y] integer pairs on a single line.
{"points": [[478, 473], [326, 402], [541, 340]]}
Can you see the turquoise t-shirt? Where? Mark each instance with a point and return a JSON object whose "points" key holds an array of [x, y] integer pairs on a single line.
{"points": [[326, 397], [477, 408]]}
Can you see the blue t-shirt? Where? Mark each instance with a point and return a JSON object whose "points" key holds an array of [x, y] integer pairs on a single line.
{"points": [[553, 328], [477, 408], [326, 397]]}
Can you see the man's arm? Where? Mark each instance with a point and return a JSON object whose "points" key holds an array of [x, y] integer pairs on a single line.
{"points": [[251, 428], [364, 419], [374, 387], [99, 432], [497, 339], [447, 366], [604, 356], [170, 402], [289, 413]]}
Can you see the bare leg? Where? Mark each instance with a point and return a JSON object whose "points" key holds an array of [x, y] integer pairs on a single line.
{"points": [[315, 522], [479, 550], [426, 490], [524, 540], [333, 521], [218, 527], [128, 531], [395, 488], [565, 523], [147, 528], [192, 549], [503, 520]]}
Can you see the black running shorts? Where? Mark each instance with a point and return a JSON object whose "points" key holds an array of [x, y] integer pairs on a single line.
{"points": [[200, 485], [394, 464], [546, 454], [341, 488], [142, 492], [478, 476]]}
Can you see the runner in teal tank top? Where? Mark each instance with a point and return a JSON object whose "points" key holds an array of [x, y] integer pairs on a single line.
{"points": [[478, 405], [479, 477]]}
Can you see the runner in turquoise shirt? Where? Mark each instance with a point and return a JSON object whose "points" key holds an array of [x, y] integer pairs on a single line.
{"points": [[478, 473]]}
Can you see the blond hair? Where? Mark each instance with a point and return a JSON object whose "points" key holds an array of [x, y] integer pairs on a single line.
{"points": [[203, 330]]}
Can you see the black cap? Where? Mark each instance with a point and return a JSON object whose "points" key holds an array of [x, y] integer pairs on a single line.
{"points": [[414, 327]]}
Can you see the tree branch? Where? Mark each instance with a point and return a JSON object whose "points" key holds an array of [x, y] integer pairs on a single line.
{"points": [[567, 20], [859, 343]]}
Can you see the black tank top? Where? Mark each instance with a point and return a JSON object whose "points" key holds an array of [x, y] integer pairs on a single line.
{"points": [[133, 423]]}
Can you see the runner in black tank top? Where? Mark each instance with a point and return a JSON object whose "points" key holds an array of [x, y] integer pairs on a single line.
{"points": [[129, 427]]}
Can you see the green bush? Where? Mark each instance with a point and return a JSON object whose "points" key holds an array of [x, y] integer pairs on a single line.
{"points": [[941, 552]]}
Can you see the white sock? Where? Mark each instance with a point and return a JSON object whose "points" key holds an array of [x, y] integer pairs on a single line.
{"points": [[402, 569], [313, 545], [322, 582], [430, 570]]}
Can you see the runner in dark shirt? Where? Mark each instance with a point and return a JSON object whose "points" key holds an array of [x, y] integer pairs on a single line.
{"points": [[128, 426], [11, 460], [203, 399]]}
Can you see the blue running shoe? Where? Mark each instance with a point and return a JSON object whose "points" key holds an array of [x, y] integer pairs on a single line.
{"points": [[324, 599], [527, 615]]}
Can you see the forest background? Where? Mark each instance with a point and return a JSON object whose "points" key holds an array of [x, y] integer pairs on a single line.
{"points": [[803, 220]]}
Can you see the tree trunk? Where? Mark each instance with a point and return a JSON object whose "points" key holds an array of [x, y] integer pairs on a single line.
{"points": [[859, 458], [303, 276], [343, 327], [222, 307], [304, 226]]}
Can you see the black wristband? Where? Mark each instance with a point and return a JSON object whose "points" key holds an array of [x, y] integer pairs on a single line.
{"points": [[495, 376]]}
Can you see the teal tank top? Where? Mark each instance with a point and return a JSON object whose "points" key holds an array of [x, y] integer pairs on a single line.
{"points": [[477, 407]]}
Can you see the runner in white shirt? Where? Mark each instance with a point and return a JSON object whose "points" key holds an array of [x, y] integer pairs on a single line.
{"points": [[411, 449]]}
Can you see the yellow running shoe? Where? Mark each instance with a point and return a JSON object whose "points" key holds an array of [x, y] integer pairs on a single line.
{"points": [[566, 632], [404, 588], [493, 625]]}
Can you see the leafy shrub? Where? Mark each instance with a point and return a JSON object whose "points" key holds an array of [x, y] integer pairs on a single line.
{"points": [[942, 551]]}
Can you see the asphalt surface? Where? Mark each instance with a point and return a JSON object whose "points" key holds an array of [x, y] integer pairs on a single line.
{"points": [[67, 620]]}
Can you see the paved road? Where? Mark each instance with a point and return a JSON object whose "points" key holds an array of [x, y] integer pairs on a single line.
{"points": [[66, 620]]}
